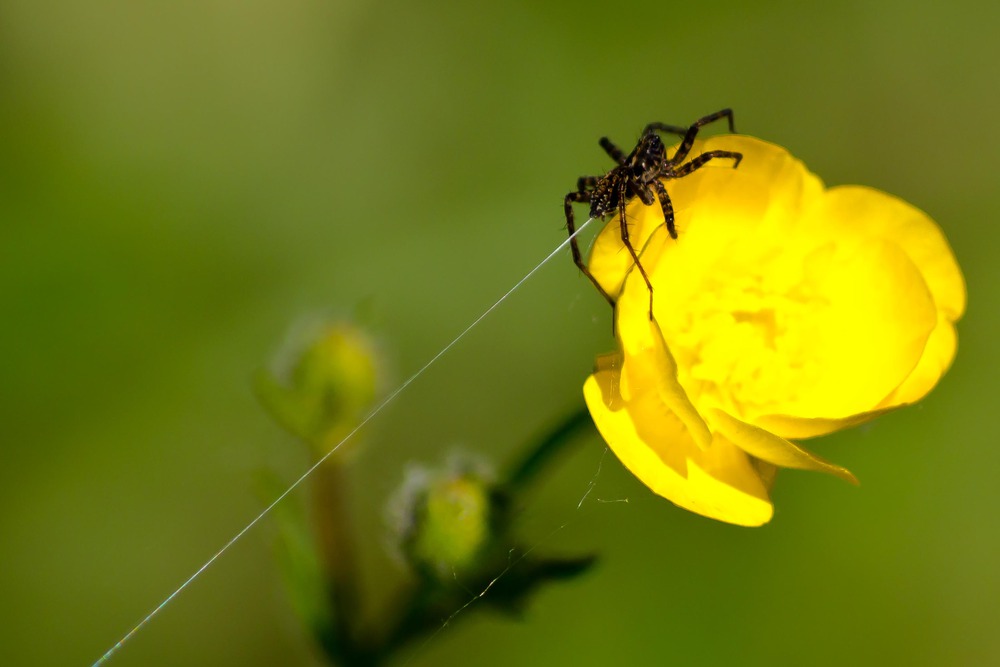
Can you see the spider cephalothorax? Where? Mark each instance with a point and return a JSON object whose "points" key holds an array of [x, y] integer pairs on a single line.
{"points": [[640, 174]]}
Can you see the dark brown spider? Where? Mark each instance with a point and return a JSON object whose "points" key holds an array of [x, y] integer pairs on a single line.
{"points": [[639, 174]]}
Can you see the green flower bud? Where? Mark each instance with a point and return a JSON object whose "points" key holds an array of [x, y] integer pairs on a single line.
{"points": [[322, 386], [445, 520]]}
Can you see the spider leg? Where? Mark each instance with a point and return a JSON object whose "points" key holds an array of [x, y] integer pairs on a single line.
{"points": [[700, 161], [617, 154], [667, 206], [631, 249], [663, 127], [641, 191], [692, 132], [574, 246], [585, 183]]}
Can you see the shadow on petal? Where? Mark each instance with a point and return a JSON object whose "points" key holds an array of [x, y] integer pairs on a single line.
{"points": [[720, 482]]}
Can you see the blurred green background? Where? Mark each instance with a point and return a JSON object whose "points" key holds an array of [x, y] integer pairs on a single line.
{"points": [[182, 182]]}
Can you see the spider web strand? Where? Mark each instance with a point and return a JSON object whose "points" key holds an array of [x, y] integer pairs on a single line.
{"points": [[371, 415]]}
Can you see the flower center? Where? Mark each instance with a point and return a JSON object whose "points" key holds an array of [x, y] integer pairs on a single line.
{"points": [[744, 335]]}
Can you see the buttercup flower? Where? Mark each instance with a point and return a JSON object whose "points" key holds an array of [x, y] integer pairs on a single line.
{"points": [[785, 310]]}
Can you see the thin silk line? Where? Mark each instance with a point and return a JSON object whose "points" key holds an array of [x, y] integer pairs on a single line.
{"points": [[371, 415]]}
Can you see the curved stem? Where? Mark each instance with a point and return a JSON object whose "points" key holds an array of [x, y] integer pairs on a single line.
{"points": [[547, 448]]}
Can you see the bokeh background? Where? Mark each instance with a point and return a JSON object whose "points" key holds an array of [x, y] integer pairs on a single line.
{"points": [[180, 183]]}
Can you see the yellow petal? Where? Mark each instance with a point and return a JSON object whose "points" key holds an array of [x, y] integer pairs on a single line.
{"points": [[787, 426], [763, 195], [649, 368], [610, 261], [720, 483], [876, 213], [768, 447], [775, 183], [811, 327], [871, 321], [938, 355]]}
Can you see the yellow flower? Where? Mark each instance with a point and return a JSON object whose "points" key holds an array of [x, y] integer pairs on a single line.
{"points": [[784, 310]]}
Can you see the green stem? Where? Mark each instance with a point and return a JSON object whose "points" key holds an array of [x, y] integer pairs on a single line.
{"points": [[547, 448], [335, 542], [420, 609]]}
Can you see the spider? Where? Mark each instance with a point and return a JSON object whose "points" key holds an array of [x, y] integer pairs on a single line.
{"points": [[639, 174]]}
